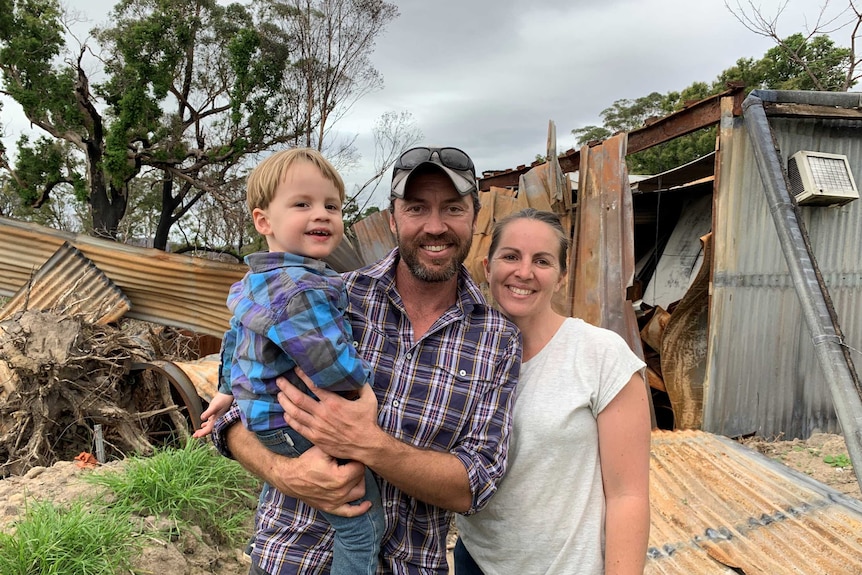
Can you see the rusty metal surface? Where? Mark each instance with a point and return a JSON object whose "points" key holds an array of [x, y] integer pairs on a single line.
{"points": [[694, 116], [164, 288], [70, 284], [603, 253], [683, 347], [374, 238], [181, 382], [719, 507], [202, 374]]}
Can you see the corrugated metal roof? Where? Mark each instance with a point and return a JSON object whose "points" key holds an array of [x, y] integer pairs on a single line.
{"points": [[70, 284], [164, 288], [763, 376], [720, 507]]}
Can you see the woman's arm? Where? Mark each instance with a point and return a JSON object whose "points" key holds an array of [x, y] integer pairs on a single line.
{"points": [[624, 445]]}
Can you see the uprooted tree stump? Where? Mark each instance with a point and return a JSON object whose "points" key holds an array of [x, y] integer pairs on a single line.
{"points": [[60, 376]]}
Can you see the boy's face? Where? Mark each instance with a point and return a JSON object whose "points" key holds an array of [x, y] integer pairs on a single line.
{"points": [[304, 216]]}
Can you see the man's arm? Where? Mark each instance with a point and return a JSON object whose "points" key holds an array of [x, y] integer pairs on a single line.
{"points": [[349, 430], [314, 477]]}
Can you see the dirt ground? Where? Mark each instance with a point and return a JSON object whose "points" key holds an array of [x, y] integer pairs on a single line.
{"points": [[192, 555]]}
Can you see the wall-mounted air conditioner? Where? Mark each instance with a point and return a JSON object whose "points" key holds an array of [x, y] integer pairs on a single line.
{"points": [[821, 179]]}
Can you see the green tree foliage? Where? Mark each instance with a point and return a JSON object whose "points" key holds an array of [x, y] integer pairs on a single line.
{"points": [[194, 92], [796, 63]]}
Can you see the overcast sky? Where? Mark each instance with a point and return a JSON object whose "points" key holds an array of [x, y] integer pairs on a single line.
{"points": [[488, 75]]}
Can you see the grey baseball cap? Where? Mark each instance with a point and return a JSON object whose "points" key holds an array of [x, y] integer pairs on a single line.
{"points": [[454, 162]]}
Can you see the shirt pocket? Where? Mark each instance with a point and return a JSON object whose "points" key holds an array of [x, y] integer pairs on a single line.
{"points": [[441, 401]]}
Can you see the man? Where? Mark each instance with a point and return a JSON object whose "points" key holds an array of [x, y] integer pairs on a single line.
{"points": [[435, 428]]}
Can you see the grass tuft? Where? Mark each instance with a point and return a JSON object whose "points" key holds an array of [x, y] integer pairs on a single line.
{"points": [[58, 540], [193, 485]]}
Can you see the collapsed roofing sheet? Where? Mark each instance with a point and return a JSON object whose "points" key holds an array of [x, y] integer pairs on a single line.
{"points": [[164, 288], [70, 284], [720, 507]]}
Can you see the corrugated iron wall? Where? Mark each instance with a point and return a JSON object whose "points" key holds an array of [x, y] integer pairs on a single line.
{"points": [[763, 376]]}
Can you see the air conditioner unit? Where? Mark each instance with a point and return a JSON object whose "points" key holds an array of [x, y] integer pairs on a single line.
{"points": [[821, 179]]}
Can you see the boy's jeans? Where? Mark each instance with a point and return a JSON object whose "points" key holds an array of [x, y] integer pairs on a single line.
{"points": [[356, 546]]}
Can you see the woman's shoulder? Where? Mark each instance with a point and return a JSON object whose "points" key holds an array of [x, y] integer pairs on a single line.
{"points": [[583, 331]]}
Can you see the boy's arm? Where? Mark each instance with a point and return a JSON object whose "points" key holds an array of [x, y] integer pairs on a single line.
{"points": [[228, 346], [223, 398]]}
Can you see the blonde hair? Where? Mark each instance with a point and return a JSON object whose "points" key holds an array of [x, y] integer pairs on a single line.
{"points": [[265, 177]]}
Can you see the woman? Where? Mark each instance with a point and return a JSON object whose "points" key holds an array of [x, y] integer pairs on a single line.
{"points": [[575, 498]]}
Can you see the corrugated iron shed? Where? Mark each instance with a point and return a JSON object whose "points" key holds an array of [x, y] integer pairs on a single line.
{"points": [[763, 376]]}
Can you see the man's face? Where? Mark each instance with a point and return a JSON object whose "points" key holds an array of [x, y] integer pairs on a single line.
{"points": [[434, 227]]}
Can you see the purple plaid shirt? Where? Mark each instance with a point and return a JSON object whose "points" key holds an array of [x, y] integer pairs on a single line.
{"points": [[450, 391]]}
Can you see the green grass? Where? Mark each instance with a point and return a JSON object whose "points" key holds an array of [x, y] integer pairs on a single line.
{"points": [[193, 485], [840, 460], [66, 540]]}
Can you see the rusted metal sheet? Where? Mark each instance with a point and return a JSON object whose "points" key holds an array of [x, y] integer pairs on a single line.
{"points": [[684, 349], [70, 284], [603, 255], [701, 114], [719, 507], [374, 237], [164, 288], [181, 380]]}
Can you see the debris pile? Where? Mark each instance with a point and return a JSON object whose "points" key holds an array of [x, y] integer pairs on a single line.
{"points": [[60, 376]]}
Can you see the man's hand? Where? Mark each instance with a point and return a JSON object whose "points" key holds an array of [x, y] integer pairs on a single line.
{"points": [[327, 486], [341, 428], [313, 477]]}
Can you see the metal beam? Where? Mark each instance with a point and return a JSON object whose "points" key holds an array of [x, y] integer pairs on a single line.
{"points": [[701, 114]]}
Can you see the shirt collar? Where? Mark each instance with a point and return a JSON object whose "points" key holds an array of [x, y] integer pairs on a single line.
{"points": [[383, 271], [267, 261]]}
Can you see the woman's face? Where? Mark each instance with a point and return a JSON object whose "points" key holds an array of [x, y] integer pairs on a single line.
{"points": [[524, 272]]}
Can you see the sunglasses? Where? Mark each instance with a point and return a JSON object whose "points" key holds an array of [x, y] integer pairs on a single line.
{"points": [[452, 158]]}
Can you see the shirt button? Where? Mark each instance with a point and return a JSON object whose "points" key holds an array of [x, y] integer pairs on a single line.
{"points": [[409, 356], [462, 373], [355, 344], [396, 403]]}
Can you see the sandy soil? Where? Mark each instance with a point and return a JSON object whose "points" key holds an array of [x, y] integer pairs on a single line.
{"points": [[193, 554]]}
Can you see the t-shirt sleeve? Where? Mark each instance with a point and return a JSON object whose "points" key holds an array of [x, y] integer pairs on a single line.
{"points": [[616, 367]]}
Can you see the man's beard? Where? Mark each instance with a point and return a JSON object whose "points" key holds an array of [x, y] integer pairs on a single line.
{"points": [[409, 253]]}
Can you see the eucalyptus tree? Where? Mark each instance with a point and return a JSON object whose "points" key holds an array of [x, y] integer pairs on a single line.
{"points": [[800, 62], [193, 93], [331, 70]]}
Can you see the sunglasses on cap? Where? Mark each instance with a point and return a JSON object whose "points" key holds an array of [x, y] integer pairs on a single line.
{"points": [[452, 158]]}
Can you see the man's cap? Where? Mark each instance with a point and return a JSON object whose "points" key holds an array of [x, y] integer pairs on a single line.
{"points": [[454, 162]]}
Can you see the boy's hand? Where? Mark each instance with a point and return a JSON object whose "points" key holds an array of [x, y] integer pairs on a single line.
{"points": [[219, 405]]}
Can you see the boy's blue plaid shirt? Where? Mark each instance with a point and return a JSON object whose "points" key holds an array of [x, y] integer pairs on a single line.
{"points": [[287, 311]]}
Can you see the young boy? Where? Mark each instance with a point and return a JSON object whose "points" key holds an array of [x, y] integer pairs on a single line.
{"points": [[287, 313]]}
